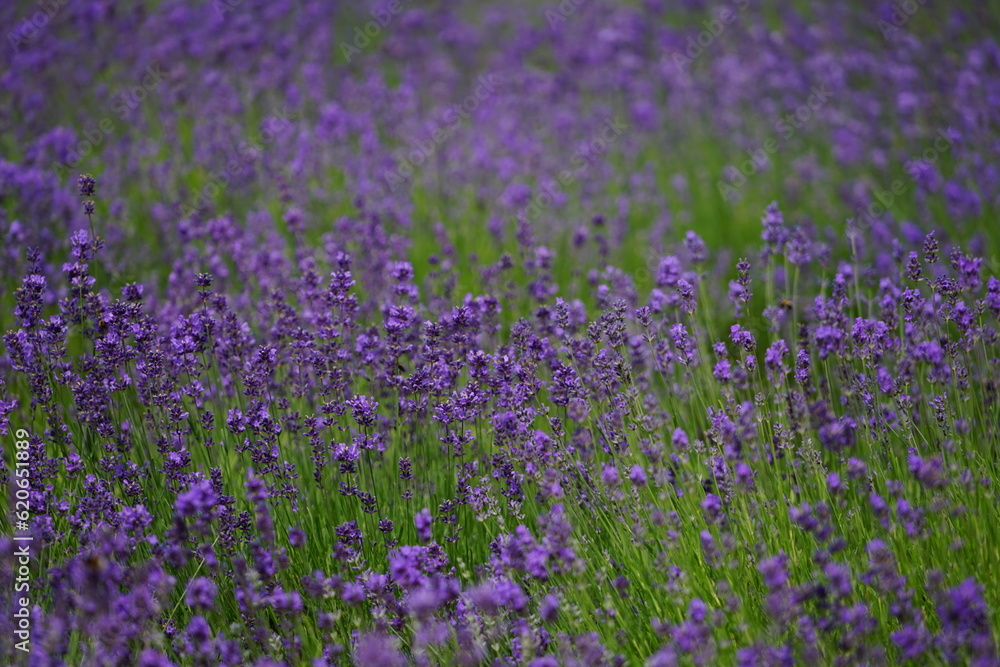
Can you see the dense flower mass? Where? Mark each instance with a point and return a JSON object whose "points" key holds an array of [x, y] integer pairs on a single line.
{"points": [[449, 333]]}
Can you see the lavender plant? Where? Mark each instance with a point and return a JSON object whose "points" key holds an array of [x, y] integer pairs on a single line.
{"points": [[574, 389]]}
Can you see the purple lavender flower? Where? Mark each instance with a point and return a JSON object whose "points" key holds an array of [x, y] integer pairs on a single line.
{"points": [[930, 249], [423, 521], [775, 234], [722, 371], [87, 185], [549, 608], [711, 507], [686, 293], [378, 649], [697, 250], [363, 410], [201, 594], [774, 570], [742, 337], [609, 475], [668, 272]]}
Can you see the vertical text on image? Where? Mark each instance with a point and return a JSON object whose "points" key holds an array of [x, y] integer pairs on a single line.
{"points": [[22, 542]]}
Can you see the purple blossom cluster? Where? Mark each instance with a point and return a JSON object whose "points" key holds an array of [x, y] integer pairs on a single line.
{"points": [[324, 421]]}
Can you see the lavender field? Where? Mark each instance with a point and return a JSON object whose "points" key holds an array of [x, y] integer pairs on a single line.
{"points": [[426, 332]]}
